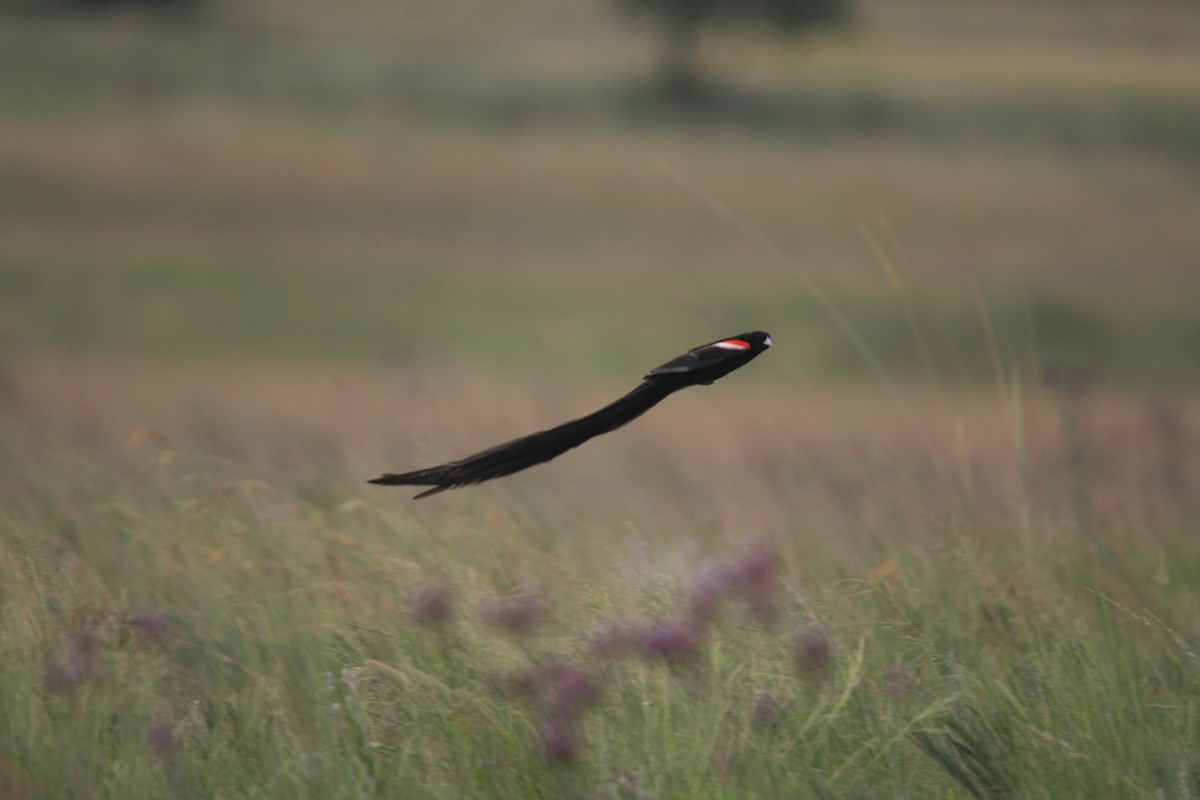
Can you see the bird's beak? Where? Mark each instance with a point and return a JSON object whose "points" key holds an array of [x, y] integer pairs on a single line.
{"points": [[767, 342]]}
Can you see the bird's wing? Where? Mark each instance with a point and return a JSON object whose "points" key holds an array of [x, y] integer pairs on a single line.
{"points": [[701, 357]]}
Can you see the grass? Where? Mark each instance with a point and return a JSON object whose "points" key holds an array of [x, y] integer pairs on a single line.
{"points": [[938, 542], [950, 606]]}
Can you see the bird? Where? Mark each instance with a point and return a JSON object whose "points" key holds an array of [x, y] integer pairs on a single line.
{"points": [[699, 366]]}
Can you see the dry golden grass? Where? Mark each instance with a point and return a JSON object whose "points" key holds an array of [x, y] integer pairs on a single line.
{"points": [[848, 476]]}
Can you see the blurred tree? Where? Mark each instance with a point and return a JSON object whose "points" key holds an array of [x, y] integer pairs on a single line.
{"points": [[102, 6], [680, 22]]}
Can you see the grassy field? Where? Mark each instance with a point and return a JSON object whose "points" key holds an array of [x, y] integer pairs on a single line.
{"points": [[826, 595], [938, 542]]}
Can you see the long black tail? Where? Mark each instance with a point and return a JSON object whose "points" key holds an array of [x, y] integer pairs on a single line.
{"points": [[536, 448]]}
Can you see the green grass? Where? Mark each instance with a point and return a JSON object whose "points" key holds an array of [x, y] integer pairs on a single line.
{"points": [[228, 612]]}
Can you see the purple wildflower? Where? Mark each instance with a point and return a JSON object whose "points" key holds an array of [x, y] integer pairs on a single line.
{"points": [[671, 641], [79, 664], [766, 710], [714, 581], [515, 613], [813, 650], [615, 638], [430, 604], [559, 739], [149, 624], [559, 687], [749, 575], [569, 690], [757, 568], [160, 737]]}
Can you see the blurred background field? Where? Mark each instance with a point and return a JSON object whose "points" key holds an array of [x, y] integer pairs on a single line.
{"points": [[252, 257], [499, 175]]}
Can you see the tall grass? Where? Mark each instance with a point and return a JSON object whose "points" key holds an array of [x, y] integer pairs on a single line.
{"points": [[913, 620]]}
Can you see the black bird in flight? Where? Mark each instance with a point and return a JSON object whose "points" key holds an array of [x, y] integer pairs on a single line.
{"points": [[699, 366]]}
